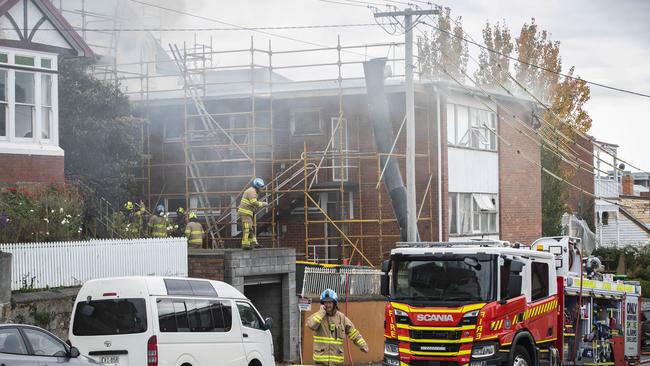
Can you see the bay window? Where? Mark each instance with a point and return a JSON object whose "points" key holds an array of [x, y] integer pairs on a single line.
{"points": [[28, 101]]}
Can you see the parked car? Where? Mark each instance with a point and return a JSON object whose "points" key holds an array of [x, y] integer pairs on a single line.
{"points": [[165, 321], [26, 345]]}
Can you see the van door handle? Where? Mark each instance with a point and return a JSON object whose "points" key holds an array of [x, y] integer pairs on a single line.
{"points": [[245, 335]]}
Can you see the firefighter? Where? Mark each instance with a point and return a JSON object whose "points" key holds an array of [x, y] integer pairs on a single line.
{"points": [[179, 227], [129, 211], [158, 223], [330, 326], [246, 212], [194, 231]]}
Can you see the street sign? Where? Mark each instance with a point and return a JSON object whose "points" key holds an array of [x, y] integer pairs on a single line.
{"points": [[304, 304]]}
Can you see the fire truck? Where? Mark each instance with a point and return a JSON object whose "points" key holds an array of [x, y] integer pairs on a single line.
{"points": [[482, 303]]}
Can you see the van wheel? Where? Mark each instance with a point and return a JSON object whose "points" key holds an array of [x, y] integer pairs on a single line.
{"points": [[520, 357]]}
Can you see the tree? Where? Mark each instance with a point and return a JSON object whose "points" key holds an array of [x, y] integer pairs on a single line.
{"points": [[494, 66], [443, 49], [565, 97], [97, 132]]}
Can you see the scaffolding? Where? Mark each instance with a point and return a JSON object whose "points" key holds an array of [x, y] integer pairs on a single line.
{"points": [[229, 136]]}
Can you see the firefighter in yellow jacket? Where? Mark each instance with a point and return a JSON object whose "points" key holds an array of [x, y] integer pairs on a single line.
{"points": [[246, 211], [330, 327], [194, 232]]}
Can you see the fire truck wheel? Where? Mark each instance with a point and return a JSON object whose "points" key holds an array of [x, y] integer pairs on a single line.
{"points": [[520, 357]]}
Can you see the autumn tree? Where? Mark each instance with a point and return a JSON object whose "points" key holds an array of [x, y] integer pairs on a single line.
{"points": [[538, 70], [443, 49], [494, 65]]}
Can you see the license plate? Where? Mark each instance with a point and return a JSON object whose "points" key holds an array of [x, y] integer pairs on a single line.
{"points": [[110, 360]]}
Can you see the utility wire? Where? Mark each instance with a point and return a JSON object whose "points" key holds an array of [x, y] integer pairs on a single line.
{"points": [[238, 26], [316, 26], [536, 99], [540, 67]]}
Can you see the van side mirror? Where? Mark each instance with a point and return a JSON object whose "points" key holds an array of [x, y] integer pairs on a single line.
{"points": [[74, 352], [384, 284], [385, 266], [268, 323]]}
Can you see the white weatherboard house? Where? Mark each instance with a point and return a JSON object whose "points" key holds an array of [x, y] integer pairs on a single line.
{"points": [[33, 37]]}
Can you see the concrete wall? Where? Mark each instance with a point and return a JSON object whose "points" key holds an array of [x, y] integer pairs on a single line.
{"points": [[368, 318], [50, 310]]}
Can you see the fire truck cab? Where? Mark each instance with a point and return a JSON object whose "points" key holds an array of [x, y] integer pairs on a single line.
{"points": [[480, 303]]}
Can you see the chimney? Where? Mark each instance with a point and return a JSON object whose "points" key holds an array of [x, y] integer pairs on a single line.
{"points": [[627, 185]]}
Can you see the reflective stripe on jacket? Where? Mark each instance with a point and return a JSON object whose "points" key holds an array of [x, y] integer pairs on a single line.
{"points": [[249, 203], [329, 333], [194, 233], [158, 226]]}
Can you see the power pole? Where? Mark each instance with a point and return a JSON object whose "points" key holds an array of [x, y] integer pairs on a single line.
{"points": [[411, 208]]}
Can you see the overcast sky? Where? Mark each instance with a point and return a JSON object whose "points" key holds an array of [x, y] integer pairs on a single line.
{"points": [[608, 42]]}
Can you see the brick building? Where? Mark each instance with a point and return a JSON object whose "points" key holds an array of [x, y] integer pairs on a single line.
{"points": [[34, 37], [488, 185]]}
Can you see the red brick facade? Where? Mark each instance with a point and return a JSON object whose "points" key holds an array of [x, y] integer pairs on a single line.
{"points": [[31, 168], [520, 180], [582, 176], [205, 264]]}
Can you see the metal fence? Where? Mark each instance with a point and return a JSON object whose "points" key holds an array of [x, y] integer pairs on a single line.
{"points": [[63, 264], [343, 280]]}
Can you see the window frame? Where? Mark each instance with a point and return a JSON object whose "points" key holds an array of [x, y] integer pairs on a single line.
{"points": [[11, 142], [5, 102], [474, 214], [292, 122], [476, 137]]}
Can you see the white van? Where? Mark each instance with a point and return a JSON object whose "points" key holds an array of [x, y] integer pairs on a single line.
{"points": [[165, 321]]}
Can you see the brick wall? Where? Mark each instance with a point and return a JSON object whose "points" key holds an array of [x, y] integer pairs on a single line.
{"points": [[31, 168], [206, 264], [520, 186], [581, 176]]}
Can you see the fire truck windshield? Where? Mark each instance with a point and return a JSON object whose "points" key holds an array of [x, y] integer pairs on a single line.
{"points": [[456, 279]]}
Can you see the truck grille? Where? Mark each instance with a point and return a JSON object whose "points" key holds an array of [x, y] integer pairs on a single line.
{"points": [[435, 347], [434, 334]]}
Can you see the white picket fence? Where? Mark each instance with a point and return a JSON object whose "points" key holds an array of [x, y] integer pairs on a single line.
{"points": [[353, 281], [63, 264]]}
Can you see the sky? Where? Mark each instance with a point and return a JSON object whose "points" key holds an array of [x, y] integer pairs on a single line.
{"points": [[608, 42]]}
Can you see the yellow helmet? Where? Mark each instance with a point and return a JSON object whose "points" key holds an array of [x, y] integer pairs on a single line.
{"points": [[191, 215], [128, 205]]}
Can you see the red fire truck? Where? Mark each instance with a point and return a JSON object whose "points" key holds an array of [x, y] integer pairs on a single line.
{"points": [[484, 303]]}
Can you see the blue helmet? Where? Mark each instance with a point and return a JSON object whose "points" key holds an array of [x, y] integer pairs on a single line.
{"points": [[258, 183], [160, 209], [329, 294]]}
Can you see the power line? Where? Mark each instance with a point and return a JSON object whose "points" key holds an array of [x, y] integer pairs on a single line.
{"points": [[316, 26], [536, 99], [237, 26], [537, 66]]}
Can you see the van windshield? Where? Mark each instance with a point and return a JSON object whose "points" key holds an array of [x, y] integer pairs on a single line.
{"points": [[110, 317]]}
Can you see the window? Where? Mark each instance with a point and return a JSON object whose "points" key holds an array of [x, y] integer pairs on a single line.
{"points": [[46, 106], [110, 317], [24, 60], [44, 344], [28, 100], [539, 281], [178, 315], [306, 122], [249, 317], [471, 214], [24, 104], [605, 218], [4, 108], [471, 127], [12, 342]]}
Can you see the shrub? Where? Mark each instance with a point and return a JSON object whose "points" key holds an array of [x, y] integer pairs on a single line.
{"points": [[39, 213]]}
